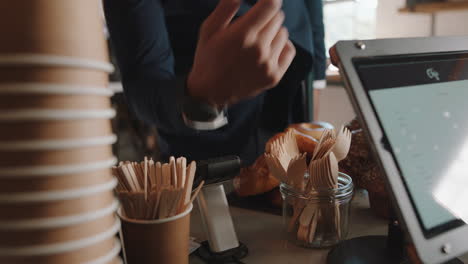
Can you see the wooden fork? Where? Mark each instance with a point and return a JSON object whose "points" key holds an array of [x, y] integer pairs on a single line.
{"points": [[342, 145]]}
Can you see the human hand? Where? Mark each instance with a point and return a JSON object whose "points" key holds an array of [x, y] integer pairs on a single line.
{"points": [[240, 59]]}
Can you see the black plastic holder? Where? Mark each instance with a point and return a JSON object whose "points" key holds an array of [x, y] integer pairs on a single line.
{"points": [[388, 249], [233, 255]]}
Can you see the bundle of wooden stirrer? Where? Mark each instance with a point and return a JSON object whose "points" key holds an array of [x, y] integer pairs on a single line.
{"points": [[151, 190], [316, 173]]}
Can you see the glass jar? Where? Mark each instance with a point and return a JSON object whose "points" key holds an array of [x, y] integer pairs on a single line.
{"points": [[320, 218]]}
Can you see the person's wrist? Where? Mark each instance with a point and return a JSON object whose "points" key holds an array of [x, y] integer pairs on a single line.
{"points": [[198, 111], [201, 91], [196, 90]]}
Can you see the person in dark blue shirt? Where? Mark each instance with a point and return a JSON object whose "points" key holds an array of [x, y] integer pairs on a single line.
{"points": [[248, 58]]}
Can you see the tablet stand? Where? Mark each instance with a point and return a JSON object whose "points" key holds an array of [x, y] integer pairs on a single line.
{"points": [[222, 245], [388, 249]]}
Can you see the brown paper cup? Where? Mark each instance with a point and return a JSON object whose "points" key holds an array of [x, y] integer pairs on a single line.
{"points": [[87, 253], [60, 75], [54, 183], [57, 222], [116, 261], [19, 88], [31, 237], [60, 129], [18, 102], [56, 208], [158, 241], [71, 28], [55, 157]]}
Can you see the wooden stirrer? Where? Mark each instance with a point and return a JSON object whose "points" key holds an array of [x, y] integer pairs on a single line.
{"points": [[151, 178], [172, 164], [179, 172], [157, 197], [163, 209], [159, 180], [191, 169], [183, 170], [195, 194], [146, 179], [166, 174], [126, 169]]}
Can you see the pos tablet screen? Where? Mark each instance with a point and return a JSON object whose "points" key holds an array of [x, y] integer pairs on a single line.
{"points": [[413, 100]]}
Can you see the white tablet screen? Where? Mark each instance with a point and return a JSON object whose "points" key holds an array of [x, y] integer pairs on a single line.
{"points": [[423, 112]]}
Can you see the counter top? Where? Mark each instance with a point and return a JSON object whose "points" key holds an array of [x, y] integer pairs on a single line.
{"points": [[262, 234]]}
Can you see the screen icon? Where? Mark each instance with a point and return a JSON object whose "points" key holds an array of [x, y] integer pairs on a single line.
{"points": [[432, 74]]}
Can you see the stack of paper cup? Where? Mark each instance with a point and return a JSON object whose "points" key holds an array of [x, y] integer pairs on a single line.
{"points": [[57, 203]]}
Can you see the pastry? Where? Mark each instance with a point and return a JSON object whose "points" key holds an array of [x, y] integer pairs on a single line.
{"points": [[256, 179], [361, 165]]}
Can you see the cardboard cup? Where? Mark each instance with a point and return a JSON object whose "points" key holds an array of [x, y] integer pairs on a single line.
{"points": [[55, 129], [56, 182], [37, 88], [85, 254], [111, 257], [56, 144], [116, 261], [157, 241], [31, 237], [60, 75], [50, 196], [31, 114], [55, 157], [55, 208], [72, 28], [51, 101], [314, 129], [56, 222]]}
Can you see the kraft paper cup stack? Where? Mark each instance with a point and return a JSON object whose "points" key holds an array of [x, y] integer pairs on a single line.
{"points": [[57, 202], [66, 35]]}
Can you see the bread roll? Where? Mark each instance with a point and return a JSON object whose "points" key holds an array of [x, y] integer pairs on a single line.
{"points": [[255, 179]]}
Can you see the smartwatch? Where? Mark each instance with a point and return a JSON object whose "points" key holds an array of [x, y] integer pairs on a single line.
{"points": [[202, 116]]}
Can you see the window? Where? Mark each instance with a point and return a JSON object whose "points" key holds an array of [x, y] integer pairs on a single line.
{"points": [[349, 19]]}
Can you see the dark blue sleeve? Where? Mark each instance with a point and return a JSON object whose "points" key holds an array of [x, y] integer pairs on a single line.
{"points": [[140, 40], [318, 34]]}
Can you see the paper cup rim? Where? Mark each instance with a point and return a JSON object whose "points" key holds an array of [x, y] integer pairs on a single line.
{"points": [[58, 222], [33, 88], [54, 114], [54, 170], [62, 195], [114, 252], [56, 144], [63, 247], [158, 221], [35, 59]]}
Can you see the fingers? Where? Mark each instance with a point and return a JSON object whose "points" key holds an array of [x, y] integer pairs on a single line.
{"points": [[260, 14], [270, 31], [286, 57], [279, 43], [220, 18], [335, 60]]}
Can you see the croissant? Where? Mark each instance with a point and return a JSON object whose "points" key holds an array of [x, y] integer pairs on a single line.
{"points": [[257, 178]]}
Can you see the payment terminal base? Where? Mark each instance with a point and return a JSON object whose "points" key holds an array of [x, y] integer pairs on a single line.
{"points": [[233, 255], [368, 250], [389, 249]]}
